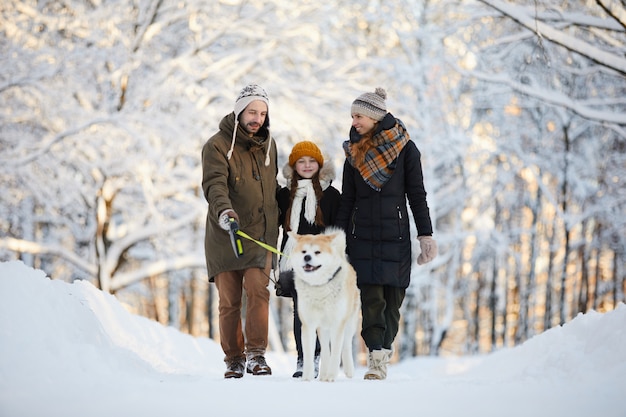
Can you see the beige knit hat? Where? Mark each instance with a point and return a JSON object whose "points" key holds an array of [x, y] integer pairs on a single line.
{"points": [[306, 148], [247, 95], [371, 104]]}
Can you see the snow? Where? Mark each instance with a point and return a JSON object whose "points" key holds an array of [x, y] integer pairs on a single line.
{"points": [[73, 350]]}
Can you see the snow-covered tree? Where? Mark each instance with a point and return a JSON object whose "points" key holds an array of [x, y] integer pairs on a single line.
{"points": [[518, 110]]}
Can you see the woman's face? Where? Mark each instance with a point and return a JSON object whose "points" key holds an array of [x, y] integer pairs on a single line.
{"points": [[306, 167], [362, 124]]}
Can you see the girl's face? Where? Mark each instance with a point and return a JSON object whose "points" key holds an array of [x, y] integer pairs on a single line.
{"points": [[306, 167], [362, 124]]}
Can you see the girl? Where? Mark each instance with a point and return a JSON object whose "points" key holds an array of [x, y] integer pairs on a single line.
{"points": [[307, 205]]}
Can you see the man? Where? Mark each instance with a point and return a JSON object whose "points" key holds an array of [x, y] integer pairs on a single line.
{"points": [[239, 182]]}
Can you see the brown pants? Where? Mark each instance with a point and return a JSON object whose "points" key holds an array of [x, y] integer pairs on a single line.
{"points": [[230, 286]]}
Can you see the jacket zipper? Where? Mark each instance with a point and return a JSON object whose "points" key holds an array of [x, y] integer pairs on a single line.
{"points": [[399, 222]]}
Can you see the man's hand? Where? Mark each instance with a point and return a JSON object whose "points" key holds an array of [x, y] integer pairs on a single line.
{"points": [[224, 219]]}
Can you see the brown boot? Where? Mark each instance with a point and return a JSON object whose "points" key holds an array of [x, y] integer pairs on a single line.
{"points": [[258, 366], [234, 367]]}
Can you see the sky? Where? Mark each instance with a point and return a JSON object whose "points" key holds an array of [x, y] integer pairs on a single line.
{"points": [[72, 350]]}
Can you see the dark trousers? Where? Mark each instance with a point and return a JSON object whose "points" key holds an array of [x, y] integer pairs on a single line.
{"points": [[380, 307], [297, 328]]}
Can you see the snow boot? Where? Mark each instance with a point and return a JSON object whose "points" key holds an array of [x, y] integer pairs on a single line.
{"points": [[377, 364], [316, 361], [300, 366]]}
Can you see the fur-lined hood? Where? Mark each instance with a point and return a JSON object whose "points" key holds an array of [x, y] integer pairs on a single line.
{"points": [[327, 174]]}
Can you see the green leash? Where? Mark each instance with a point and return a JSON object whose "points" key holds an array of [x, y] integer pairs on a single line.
{"points": [[261, 244], [238, 246]]}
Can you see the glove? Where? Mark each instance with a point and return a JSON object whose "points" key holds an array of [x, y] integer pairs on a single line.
{"points": [[224, 219], [428, 246], [285, 287]]}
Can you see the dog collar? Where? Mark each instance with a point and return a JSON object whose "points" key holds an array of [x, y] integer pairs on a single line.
{"points": [[335, 274]]}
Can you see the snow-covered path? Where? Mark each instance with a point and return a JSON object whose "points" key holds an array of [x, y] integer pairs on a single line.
{"points": [[71, 350]]}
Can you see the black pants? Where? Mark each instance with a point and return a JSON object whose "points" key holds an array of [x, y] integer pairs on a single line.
{"points": [[297, 328], [287, 288], [380, 307]]}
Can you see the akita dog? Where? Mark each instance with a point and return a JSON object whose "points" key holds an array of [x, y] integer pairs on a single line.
{"points": [[328, 301]]}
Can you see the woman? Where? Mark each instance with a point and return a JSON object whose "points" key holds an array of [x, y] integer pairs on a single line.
{"points": [[381, 172], [307, 205]]}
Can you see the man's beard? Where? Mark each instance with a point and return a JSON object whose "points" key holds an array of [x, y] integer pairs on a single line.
{"points": [[248, 128]]}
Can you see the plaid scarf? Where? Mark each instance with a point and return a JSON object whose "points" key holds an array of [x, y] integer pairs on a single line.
{"points": [[380, 161]]}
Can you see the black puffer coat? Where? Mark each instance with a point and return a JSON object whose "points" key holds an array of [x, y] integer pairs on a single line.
{"points": [[377, 222]]}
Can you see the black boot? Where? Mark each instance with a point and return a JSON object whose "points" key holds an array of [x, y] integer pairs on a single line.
{"points": [[299, 365]]}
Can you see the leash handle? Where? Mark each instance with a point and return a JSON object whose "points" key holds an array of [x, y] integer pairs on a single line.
{"points": [[234, 238]]}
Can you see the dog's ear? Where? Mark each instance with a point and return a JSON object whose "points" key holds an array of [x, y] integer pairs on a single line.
{"points": [[339, 238], [293, 235]]}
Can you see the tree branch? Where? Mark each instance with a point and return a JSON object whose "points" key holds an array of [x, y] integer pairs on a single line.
{"points": [[26, 246], [122, 280], [553, 97], [613, 9], [573, 44]]}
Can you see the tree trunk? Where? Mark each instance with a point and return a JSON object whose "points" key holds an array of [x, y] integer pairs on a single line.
{"points": [[566, 225], [476, 321], [526, 294], [583, 254], [547, 318]]}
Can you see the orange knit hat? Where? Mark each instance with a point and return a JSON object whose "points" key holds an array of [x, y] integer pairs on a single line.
{"points": [[306, 148]]}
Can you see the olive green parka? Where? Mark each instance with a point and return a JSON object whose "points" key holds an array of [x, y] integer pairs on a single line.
{"points": [[245, 184]]}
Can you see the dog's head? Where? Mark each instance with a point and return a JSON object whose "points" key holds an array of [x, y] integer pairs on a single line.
{"points": [[316, 258]]}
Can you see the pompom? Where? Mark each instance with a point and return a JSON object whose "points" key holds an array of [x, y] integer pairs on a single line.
{"points": [[381, 92]]}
